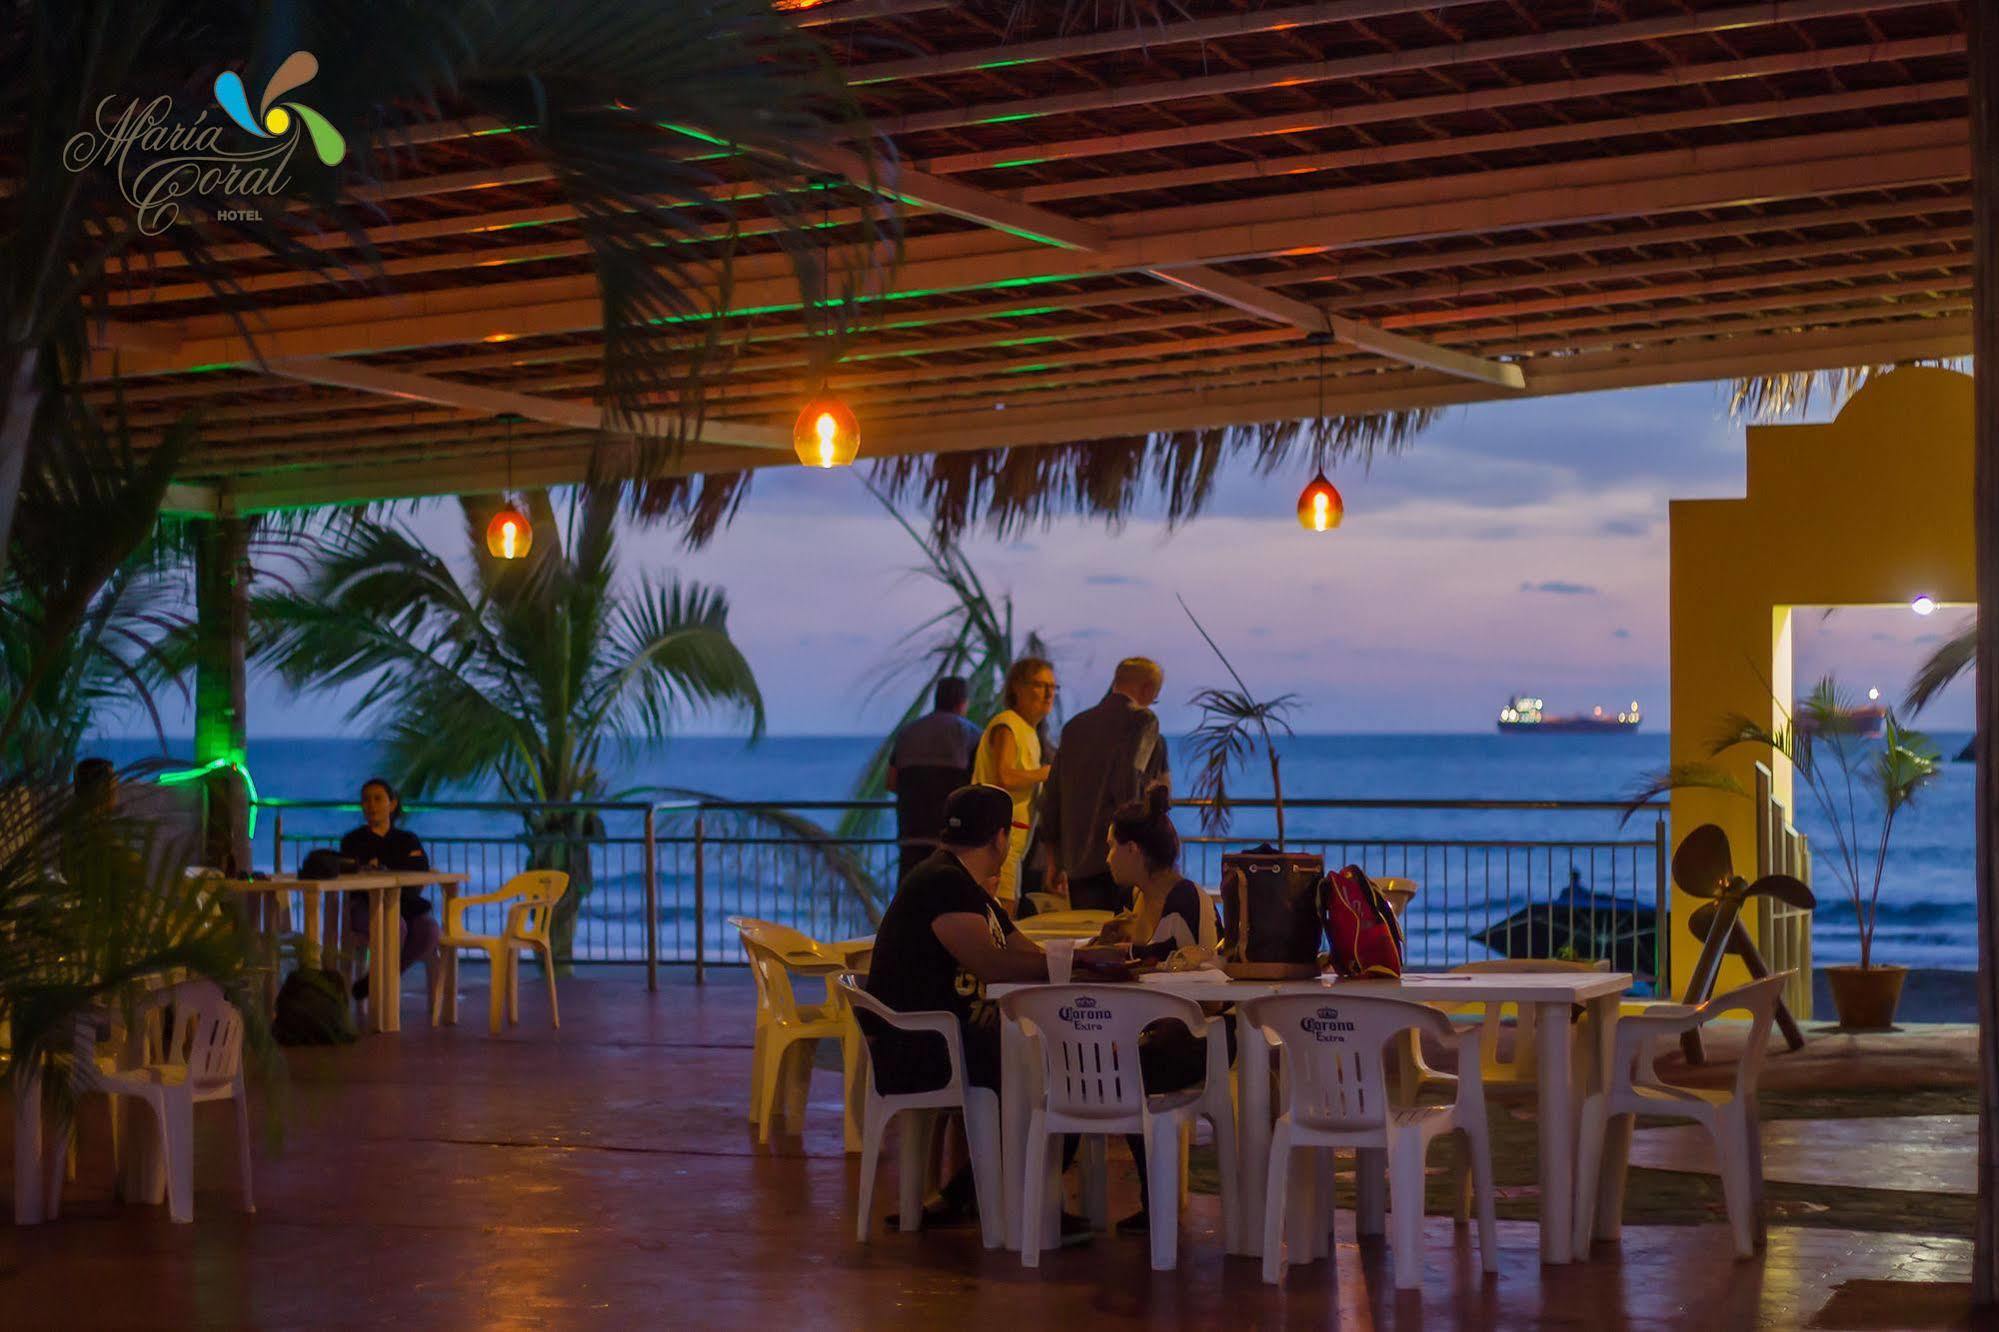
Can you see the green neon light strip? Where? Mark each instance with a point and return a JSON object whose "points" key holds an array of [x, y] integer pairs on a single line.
{"points": [[921, 294], [185, 775]]}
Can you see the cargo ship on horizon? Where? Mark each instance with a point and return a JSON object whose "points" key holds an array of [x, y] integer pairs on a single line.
{"points": [[1524, 715]]}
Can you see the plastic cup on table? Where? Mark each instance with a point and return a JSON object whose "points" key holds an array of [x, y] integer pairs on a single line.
{"points": [[1061, 959]]}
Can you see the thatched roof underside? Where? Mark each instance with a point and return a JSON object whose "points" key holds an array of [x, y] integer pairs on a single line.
{"points": [[1112, 232]]}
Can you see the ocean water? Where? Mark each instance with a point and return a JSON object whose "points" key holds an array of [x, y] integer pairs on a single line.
{"points": [[1926, 906]]}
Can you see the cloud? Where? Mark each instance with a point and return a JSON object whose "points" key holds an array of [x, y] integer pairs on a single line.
{"points": [[1624, 527], [1116, 580], [1088, 633], [1620, 633], [1497, 532], [1559, 588]]}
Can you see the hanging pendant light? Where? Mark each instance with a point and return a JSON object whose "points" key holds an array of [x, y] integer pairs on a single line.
{"points": [[509, 534], [1320, 506], [827, 435]]}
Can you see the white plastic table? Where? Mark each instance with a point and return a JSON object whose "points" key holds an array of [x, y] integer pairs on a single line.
{"points": [[1560, 1089], [385, 944]]}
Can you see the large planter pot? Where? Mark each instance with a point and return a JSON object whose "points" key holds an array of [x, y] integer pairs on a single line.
{"points": [[1866, 997]]}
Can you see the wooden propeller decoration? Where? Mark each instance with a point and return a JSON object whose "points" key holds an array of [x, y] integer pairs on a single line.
{"points": [[1705, 867]]}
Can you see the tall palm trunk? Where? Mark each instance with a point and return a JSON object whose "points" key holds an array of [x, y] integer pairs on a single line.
{"points": [[22, 390], [561, 840]]}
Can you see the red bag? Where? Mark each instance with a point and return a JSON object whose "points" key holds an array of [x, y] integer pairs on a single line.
{"points": [[1361, 928]]}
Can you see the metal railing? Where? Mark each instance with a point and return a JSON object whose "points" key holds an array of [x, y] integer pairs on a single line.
{"points": [[663, 879]]}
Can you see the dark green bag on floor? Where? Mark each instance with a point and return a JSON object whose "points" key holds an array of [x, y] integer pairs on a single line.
{"points": [[313, 1010]]}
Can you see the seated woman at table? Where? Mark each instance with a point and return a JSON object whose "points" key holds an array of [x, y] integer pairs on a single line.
{"points": [[379, 844], [1169, 912]]}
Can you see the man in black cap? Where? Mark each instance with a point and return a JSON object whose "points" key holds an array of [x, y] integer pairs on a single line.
{"points": [[943, 939]]}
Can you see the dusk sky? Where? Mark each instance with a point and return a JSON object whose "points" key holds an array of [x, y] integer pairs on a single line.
{"points": [[1513, 547]]}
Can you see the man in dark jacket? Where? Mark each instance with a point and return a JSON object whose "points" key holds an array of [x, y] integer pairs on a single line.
{"points": [[1109, 755]]}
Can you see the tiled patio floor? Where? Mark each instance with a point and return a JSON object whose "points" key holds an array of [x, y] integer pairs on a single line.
{"points": [[605, 1176]]}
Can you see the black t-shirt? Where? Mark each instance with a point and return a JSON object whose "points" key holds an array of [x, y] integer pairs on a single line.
{"points": [[1179, 922], [396, 849], [912, 971]]}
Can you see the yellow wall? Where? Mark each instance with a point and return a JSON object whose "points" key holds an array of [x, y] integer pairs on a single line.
{"points": [[1873, 508]]}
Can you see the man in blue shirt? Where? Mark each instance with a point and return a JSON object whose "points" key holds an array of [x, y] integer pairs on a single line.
{"points": [[931, 759]]}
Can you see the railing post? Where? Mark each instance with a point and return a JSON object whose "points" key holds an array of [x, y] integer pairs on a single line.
{"points": [[278, 844], [700, 904], [1662, 913], [652, 906]]}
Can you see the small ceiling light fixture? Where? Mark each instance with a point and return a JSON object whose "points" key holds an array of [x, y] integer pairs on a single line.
{"points": [[1320, 505], [826, 435], [509, 534], [1925, 604]]}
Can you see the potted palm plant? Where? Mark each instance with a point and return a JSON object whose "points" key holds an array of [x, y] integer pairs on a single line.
{"points": [[1858, 789], [1270, 896]]}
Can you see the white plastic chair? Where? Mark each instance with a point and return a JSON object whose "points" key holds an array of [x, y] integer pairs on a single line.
{"points": [[1635, 1088], [1336, 1095], [202, 1061], [979, 1106], [1089, 1083], [783, 1075], [526, 930]]}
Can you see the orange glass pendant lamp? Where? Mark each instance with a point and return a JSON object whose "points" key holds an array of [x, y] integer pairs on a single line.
{"points": [[509, 536], [827, 434], [1320, 507]]}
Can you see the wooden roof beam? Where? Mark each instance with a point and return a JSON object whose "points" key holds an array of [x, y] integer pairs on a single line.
{"points": [[1052, 228], [1556, 41], [1472, 145], [1388, 391], [497, 402], [1468, 203], [1230, 130], [1146, 36]]}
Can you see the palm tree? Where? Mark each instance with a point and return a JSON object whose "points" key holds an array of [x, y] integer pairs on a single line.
{"points": [[89, 600], [94, 905], [520, 671], [586, 88], [1232, 720], [973, 636]]}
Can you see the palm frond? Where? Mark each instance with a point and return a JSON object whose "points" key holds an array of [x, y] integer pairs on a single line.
{"points": [[1012, 489], [1231, 721], [1952, 658], [1773, 397]]}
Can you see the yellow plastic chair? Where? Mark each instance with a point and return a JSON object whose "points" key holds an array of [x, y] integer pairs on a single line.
{"points": [[803, 955], [787, 1035], [526, 930]]}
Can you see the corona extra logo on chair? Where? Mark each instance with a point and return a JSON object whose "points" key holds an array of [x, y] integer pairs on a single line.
{"points": [[1085, 1014], [271, 122], [1325, 1025]]}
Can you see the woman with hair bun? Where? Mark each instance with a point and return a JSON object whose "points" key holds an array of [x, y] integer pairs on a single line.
{"points": [[1168, 911]]}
